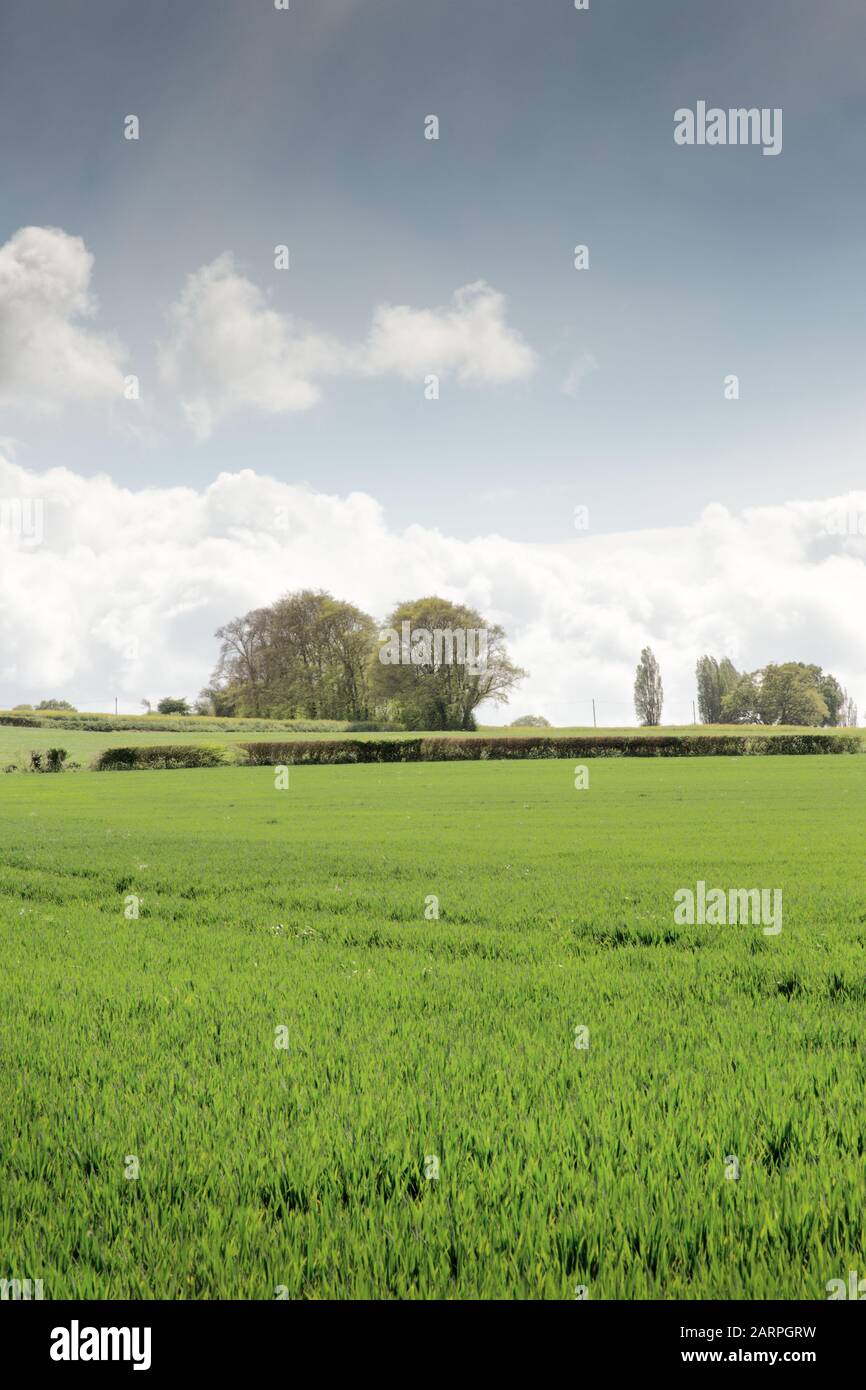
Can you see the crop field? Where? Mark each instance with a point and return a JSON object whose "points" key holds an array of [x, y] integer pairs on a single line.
{"points": [[286, 1076]]}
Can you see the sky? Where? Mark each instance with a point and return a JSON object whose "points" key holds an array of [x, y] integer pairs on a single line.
{"points": [[204, 429]]}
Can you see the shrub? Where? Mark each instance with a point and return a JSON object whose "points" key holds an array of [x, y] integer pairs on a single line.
{"points": [[372, 726], [477, 749], [173, 705], [396, 750], [165, 756]]}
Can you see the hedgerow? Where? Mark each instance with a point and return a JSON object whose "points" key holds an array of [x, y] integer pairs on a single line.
{"points": [[164, 756], [476, 749]]}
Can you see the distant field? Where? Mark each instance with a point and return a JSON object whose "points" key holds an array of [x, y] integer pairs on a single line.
{"points": [[411, 1038], [83, 746]]}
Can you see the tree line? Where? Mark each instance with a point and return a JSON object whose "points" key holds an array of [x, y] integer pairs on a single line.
{"points": [[312, 656], [790, 692]]}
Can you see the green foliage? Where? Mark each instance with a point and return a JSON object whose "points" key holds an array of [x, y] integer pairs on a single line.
{"points": [[601, 746], [790, 693], [307, 656], [55, 704], [47, 760], [165, 756], [648, 689], [347, 750], [172, 705], [709, 690], [425, 678], [409, 1037], [530, 721], [741, 702]]}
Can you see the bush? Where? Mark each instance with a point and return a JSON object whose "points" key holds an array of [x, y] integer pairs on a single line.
{"points": [[479, 749], [50, 761], [165, 756], [405, 750], [172, 705], [372, 726]]}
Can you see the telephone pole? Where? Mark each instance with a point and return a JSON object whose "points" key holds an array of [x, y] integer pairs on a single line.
{"points": [[594, 724]]}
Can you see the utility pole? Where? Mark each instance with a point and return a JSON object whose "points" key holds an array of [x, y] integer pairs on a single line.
{"points": [[594, 725], [115, 704], [694, 716]]}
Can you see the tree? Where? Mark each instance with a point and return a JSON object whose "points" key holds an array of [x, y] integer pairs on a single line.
{"points": [[741, 699], [728, 676], [530, 721], [171, 705], [648, 690], [438, 661], [847, 712], [218, 701], [709, 690], [240, 669], [147, 706], [307, 655], [831, 693], [56, 704], [789, 695]]}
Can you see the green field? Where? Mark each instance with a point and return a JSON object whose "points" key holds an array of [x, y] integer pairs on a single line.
{"points": [[304, 1168]]}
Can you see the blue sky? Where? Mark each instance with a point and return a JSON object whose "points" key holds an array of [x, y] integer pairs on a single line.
{"points": [[306, 128], [713, 523]]}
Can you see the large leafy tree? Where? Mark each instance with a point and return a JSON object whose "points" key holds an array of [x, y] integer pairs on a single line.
{"points": [[307, 655], [789, 694], [426, 684], [648, 689]]}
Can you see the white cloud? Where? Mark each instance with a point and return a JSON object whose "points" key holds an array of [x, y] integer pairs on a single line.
{"points": [[47, 358], [124, 592], [228, 350], [469, 337], [577, 373]]}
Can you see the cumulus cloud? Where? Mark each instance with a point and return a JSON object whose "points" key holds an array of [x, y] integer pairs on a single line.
{"points": [[228, 350], [122, 592], [48, 356], [469, 337]]}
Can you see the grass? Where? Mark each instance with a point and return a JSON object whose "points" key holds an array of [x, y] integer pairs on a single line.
{"points": [[304, 1169]]}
